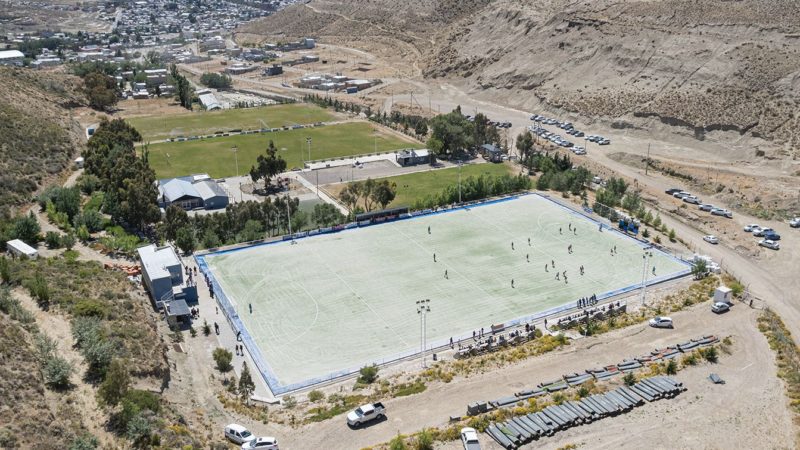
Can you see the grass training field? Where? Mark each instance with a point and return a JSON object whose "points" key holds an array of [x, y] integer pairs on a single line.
{"points": [[416, 186], [214, 156], [335, 302], [156, 128]]}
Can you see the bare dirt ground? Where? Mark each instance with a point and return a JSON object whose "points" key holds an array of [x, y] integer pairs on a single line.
{"points": [[82, 396], [704, 414]]}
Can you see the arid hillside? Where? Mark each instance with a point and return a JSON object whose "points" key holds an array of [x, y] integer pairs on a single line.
{"points": [[698, 66], [38, 136]]}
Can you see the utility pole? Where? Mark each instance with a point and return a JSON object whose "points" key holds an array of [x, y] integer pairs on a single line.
{"points": [[423, 308], [647, 161], [308, 141]]}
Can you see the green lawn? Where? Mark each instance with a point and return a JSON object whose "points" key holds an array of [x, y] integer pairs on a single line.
{"points": [[414, 186], [156, 128], [214, 156]]}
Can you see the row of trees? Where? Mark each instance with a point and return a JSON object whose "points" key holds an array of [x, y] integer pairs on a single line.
{"points": [[183, 89], [336, 104], [244, 222], [126, 179], [475, 188], [368, 194]]}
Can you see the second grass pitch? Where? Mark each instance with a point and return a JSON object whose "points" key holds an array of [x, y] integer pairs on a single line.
{"points": [[215, 156], [336, 302]]}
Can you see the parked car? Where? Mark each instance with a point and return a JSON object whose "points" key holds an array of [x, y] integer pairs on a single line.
{"points": [[262, 443], [661, 322], [722, 212], [706, 207], [756, 229], [795, 223], [772, 236], [238, 433], [751, 227], [720, 307], [366, 413], [469, 437], [769, 244], [604, 142], [681, 194], [671, 191], [762, 231], [711, 239], [692, 199]]}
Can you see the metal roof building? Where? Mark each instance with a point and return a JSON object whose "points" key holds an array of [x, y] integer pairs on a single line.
{"points": [[192, 192], [11, 58], [209, 102], [161, 270]]}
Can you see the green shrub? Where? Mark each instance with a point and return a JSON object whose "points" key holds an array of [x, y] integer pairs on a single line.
{"points": [[289, 401], [52, 240], [223, 359], [711, 355], [316, 396], [397, 443], [89, 308], [424, 440], [629, 379], [116, 383], [138, 431], [672, 367], [39, 289], [84, 442], [368, 374]]}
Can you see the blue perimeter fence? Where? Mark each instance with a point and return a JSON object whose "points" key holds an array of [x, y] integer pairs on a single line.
{"points": [[279, 389]]}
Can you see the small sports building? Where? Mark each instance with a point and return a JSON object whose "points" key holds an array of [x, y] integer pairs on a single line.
{"points": [[413, 157], [192, 192], [491, 153]]}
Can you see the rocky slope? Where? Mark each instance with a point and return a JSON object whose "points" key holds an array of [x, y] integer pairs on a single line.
{"points": [[38, 137], [716, 65]]}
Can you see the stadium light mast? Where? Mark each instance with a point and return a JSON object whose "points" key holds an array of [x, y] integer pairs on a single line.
{"points": [[308, 141], [645, 268], [235, 150], [460, 163], [423, 308], [289, 219]]}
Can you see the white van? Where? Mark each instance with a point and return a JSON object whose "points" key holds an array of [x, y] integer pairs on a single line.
{"points": [[238, 433]]}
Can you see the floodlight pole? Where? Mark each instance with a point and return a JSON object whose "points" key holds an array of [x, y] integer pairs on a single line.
{"points": [[645, 267], [459, 181], [289, 219], [423, 308], [235, 150], [308, 141]]}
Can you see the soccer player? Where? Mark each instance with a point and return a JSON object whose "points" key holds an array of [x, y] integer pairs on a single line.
{"points": [[434, 257], [429, 229], [528, 258], [512, 283]]}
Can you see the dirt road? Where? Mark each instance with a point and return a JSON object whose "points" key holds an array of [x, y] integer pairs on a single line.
{"points": [[705, 415]]}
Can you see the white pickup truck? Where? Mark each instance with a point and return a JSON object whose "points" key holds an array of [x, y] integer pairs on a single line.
{"points": [[365, 413]]}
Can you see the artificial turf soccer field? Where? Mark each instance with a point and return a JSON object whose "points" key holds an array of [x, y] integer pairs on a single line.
{"points": [[335, 302]]}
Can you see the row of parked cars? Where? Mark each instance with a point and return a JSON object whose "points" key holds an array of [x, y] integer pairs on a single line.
{"points": [[688, 197], [771, 237], [569, 128], [495, 123]]}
